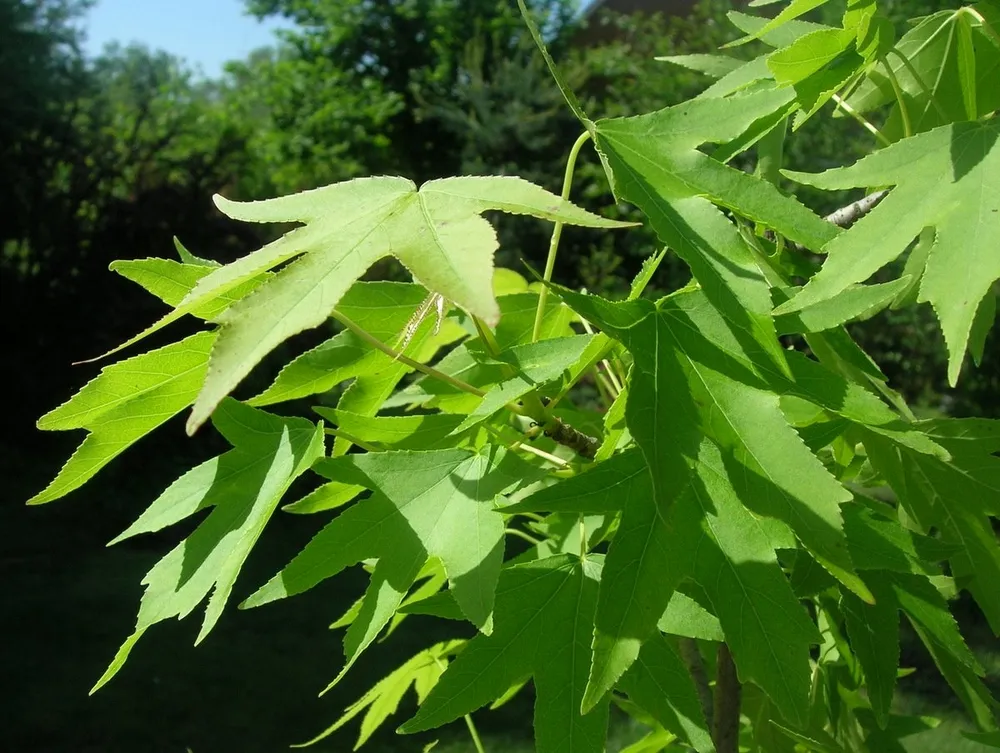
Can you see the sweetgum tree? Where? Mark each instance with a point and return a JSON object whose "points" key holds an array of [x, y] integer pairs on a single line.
{"points": [[726, 548]]}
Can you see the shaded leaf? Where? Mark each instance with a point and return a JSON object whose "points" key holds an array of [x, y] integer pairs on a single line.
{"points": [[545, 613]]}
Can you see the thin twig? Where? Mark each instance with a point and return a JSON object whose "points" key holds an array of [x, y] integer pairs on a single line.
{"points": [[842, 104], [728, 693], [691, 657], [394, 354], [847, 216]]}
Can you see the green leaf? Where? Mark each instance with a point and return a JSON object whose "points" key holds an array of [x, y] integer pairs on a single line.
{"points": [[948, 178], [874, 633], [243, 488], [425, 432], [990, 739], [126, 401], [601, 489], [707, 460], [715, 66], [809, 54], [660, 683], [426, 504], [854, 303], [536, 364], [437, 232], [657, 165], [933, 623], [383, 310], [683, 378], [933, 69], [879, 543], [927, 609], [171, 281], [792, 11], [421, 672], [686, 617], [781, 36], [545, 613], [188, 258], [953, 497], [326, 497]]}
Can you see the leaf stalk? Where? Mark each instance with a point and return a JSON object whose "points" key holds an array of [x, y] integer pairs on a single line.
{"points": [[550, 261]]}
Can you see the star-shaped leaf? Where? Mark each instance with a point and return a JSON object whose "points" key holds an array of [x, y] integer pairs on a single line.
{"points": [[437, 232], [949, 179], [243, 487], [545, 619], [426, 504]]}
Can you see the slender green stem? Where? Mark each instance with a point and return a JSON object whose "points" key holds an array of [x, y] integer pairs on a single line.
{"points": [[475, 735], [533, 516], [550, 261], [986, 27], [770, 153], [920, 82], [352, 439], [583, 539], [604, 387], [842, 104], [532, 403], [522, 535], [396, 355], [904, 111], [542, 454]]}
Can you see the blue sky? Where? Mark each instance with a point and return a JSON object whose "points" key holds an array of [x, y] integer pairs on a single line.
{"points": [[206, 33]]}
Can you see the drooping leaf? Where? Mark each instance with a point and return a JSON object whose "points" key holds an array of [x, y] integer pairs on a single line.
{"points": [[874, 633], [421, 672], [955, 497], [702, 455], [545, 614], [656, 162], [681, 349], [948, 178], [126, 401], [660, 683], [426, 504], [243, 487], [881, 543]]}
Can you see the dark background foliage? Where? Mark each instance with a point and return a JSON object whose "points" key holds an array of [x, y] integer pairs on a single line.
{"points": [[108, 158]]}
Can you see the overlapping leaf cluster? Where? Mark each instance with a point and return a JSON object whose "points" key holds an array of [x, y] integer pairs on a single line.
{"points": [[750, 486]]}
